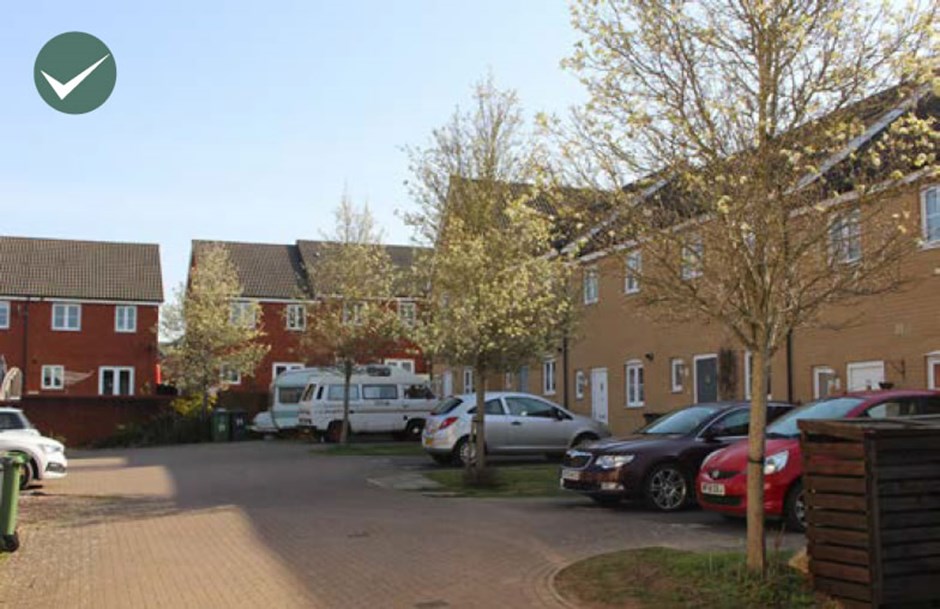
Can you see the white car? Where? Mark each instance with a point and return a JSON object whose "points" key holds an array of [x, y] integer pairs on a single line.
{"points": [[46, 456], [515, 424]]}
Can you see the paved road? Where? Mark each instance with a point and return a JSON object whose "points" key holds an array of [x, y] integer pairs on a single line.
{"points": [[268, 524]]}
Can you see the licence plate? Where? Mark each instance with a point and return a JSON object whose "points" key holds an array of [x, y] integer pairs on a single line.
{"points": [[709, 488], [569, 474]]}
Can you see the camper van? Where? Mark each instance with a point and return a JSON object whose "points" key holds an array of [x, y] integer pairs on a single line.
{"points": [[286, 391], [382, 399]]}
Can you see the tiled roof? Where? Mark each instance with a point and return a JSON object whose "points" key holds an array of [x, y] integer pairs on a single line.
{"points": [[265, 270], [88, 270], [281, 271]]}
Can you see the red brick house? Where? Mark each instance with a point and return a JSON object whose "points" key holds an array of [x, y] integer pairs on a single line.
{"points": [[78, 318], [275, 276]]}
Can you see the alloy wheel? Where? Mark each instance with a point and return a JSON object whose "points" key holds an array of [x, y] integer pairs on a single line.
{"points": [[668, 489]]}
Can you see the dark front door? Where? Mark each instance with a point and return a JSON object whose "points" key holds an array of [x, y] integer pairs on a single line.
{"points": [[706, 379]]}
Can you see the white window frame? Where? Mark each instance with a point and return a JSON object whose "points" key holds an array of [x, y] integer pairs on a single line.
{"points": [[57, 374], [117, 319], [65, 317], [117, 374], [928, 242], [295, 317], [225, 368], [548, 376], [817, 372], [390, 361], [693, 253], [239, 313], [468, 386], [635, 376], [633, 265], [850, 366], [287, 367], [591, 286], [5, 318], [933, 358], [407, 313], [845, 231], [580, 382], [748, 357], [673, 364], [352, 313]]}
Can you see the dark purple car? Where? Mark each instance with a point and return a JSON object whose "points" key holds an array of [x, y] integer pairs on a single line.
{"points": [[659, 462]]}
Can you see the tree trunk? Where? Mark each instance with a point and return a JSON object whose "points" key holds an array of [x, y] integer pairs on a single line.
{"points": [[479, 427], [347, 377], [756, 544]]}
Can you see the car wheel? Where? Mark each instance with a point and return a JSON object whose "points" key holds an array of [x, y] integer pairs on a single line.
{"points": [[413, 430], [464, 452], [667, 488], [27, 474], [606, 500], [794, 508], [334, 432], [442, 459], [583, 439]]}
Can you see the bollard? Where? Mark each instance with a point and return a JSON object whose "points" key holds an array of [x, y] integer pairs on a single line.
{"points": [[9, 502]]}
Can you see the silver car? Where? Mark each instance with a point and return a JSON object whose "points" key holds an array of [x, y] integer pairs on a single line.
{"points": [[516, 423]]}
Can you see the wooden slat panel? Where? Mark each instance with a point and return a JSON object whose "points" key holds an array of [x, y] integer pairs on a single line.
{"points": [[852, 450], [847, 503], [909, 487], [911, 550], [841, 520], [858, 592], [909, 588], [835, 484], [905, 520], [914, 503], [908, 472], [913, 565], [906, 445], [836, 570], [847, 603], [892, 536], [898, 458], [835, 429], [855, 539], [837, 468], [852, 556]]}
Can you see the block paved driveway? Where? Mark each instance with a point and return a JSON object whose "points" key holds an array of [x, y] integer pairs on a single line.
{"points": [[268, 524]]}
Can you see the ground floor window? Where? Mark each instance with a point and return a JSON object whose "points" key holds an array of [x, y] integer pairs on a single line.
{"points": [[825, 382], [116, 380], [468, 380], [677, 374], [523, 378], [53, 377], [635, 390], [580, 381], [548, 377], [933, 370]]}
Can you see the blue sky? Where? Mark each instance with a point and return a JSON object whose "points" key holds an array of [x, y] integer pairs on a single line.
{"points": [[243, 120]]}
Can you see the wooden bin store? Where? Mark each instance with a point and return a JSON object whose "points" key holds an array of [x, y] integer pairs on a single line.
{"points": [[873, 510]]}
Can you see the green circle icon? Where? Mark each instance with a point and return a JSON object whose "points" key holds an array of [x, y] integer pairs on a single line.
{"points": [[75, 72]]}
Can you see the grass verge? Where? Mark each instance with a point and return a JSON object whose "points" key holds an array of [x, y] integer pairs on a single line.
{"points": [[373, 449], [540, 480], [664, 578]]}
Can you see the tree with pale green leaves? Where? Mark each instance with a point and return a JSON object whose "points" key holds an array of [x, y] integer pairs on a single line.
{"points": [[752, 155], [216, 335], [499, 292], [354, 320]]}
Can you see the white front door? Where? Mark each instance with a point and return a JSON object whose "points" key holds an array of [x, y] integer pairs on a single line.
{"points": [[599, 394], [863, 376]]}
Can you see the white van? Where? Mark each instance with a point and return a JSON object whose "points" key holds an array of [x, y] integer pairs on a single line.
{"points": [[286, 392], [382, 399]]}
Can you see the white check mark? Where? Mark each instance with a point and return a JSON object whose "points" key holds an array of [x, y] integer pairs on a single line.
{"points": [[63, 90]]}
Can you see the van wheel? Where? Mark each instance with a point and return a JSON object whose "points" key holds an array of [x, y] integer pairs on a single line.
{"points": [[413, 430], [794, 508], [334, 432]]}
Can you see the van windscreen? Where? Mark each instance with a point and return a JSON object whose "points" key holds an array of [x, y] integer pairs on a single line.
{"points": [[289, 395], [308, 392]]}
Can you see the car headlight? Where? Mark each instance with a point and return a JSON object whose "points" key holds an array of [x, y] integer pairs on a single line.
{"points": [[51, 448], [776, 462], [613, 461], [711, 456]]}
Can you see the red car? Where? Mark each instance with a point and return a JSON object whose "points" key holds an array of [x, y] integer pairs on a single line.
{"points": [[722, 483]]}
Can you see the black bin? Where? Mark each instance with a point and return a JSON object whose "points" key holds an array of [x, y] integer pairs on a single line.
{"points": [[238, 425]]}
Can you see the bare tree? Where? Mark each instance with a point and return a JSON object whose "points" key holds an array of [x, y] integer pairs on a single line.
{"points": [[765, 163], [355, 320]]}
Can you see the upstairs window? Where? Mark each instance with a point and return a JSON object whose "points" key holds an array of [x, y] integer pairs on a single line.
{"points": [[296, 317], [242, 314], [692, 253], [407, 313], [4, 314], [930, 212], [634, 266], [590, 286], [67, 317], [352, 313], [230, 376], [125, 318], [845, 238]]}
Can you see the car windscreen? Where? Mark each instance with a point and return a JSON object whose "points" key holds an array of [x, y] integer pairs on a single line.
{"points": [[833, 408], [447, 406], [682, 421]]}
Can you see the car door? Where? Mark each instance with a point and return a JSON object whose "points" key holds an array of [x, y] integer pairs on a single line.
{"points": [[496, 425], [535, 425], [726, 429]]}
